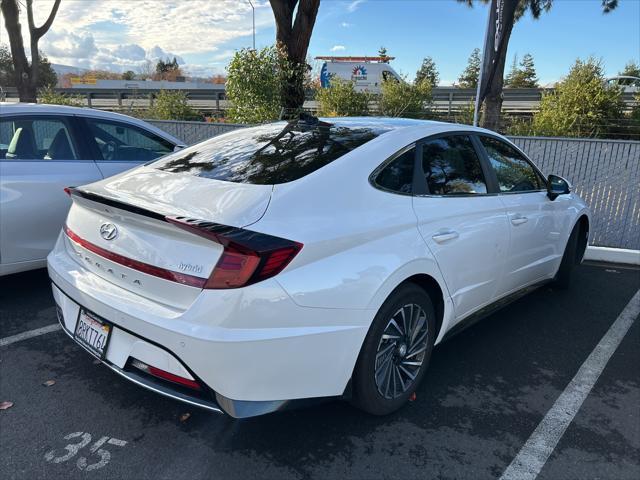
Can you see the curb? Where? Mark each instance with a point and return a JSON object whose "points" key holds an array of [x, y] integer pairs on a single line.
{"points": [[613, 255]]}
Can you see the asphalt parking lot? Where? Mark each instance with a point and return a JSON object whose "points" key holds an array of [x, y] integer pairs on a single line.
{"points": [[486, 392]]}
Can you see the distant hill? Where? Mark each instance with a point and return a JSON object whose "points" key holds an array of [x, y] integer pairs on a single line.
{"points": [[65, 69]]}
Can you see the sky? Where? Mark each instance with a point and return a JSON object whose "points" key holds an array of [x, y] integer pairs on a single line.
{"points": [[122, 35]]}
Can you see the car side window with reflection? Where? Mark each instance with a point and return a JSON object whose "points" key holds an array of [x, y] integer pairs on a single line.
{"points": [[451, 166], [397, 176], [119, 141], [33, 138], [514, 172]]}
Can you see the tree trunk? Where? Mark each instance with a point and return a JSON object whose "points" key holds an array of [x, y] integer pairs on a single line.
{"points": [[26, 75], [292, 37], [20, 63], [493, 101]]}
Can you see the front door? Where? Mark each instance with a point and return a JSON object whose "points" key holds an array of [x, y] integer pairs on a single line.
{"points": [[536, 223]]}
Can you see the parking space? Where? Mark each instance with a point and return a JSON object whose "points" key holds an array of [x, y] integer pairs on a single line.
{"points": [[486, 391]]}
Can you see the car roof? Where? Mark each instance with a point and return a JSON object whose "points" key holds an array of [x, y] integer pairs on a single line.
{"points": [[12, 107], [426, 127], [9, 108]]}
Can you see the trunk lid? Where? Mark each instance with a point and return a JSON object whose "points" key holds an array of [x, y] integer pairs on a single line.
{"points": [[116, 228]]}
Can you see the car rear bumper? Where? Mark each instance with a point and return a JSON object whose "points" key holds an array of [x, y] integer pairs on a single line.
{"points": [[253, 348]]}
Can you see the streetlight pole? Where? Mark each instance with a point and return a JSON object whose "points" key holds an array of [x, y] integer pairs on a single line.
{"points": [[254, 23]]}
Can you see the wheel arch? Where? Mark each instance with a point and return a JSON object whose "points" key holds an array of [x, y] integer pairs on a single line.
{"points": [[425, 274], [583, 225]]}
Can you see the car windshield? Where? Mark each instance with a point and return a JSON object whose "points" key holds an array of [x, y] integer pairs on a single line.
{"points": [[269, 154]]}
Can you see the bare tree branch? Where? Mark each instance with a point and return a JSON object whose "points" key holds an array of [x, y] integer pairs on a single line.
{"points": [[38, 32]]}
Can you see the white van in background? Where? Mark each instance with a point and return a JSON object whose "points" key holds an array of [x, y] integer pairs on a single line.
{"points": [[367, 73]]}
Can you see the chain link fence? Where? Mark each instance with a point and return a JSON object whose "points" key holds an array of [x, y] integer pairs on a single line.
{"points": [[605, 173]]}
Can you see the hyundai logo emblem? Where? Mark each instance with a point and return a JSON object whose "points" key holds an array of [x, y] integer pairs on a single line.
{"points": [[108, 231]]}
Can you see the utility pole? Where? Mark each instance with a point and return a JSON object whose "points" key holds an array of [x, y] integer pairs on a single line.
{"points": [[254, 23]]}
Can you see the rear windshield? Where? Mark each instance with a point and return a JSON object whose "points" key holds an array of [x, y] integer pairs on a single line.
{"points": [[269, 154]]}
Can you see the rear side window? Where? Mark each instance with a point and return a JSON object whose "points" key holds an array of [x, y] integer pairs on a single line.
{"points": [[452, 167], [268, 154], [397, 176], [36, 138], [514, 172], [120, 141]]}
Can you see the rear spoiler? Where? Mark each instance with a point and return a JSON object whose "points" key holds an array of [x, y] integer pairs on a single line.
{"points": [[111, 202]]}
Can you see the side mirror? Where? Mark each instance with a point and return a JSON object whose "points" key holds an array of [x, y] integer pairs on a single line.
{"points": [[557, 186]]}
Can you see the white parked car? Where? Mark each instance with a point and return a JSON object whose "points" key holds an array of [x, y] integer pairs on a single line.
{"points": [[309, 259], [625, 82], [45, 148]]}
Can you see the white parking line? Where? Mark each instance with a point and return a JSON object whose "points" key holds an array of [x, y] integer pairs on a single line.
{"points": [[536, 451], [29, 334]]}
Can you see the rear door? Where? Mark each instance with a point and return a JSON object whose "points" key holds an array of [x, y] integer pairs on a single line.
{"points": [[118, 146], [39, 156], [536, 223], [462, 222]]}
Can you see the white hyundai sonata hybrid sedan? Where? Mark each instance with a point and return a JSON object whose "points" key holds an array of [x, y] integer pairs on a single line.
{"points": [[316, 258]]}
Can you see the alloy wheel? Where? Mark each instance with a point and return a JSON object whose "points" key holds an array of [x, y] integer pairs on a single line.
{"points": [[401, 351]]}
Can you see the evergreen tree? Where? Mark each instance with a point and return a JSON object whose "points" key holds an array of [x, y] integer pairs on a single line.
{"points": [[469, 78], [428, 72], [523, 76], [631, 69], [512, 72]]}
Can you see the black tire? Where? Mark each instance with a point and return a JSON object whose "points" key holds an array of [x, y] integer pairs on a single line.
{"points": [[562, 280], [367, 394]]}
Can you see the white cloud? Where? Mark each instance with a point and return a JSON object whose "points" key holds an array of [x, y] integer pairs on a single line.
{"points": [[128, 32], [346, 24], [353, 6], [338, 48]]}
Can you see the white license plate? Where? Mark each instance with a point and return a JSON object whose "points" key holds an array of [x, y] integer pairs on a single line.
{"points": [[93, 333]]}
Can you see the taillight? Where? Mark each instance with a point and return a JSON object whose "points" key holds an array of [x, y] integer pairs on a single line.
{"points": [[164, 375], [67, 190], [248, 256]]}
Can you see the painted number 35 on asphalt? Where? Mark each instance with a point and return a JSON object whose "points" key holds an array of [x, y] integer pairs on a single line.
{"points": [[96, 457]]}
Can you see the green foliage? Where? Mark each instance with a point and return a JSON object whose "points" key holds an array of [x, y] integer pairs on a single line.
{"points": [[469, 78], [342, 100], [635, 112], [403, 99], [428, 72], [172, 105], [581, 105], [7, 78], [49, 96], [631, 69], [523, 76], [129, 75], [254, 85], [465, 114], [46, 75], [536, 7]]}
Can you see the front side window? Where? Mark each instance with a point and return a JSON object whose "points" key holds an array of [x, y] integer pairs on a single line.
{"points": [[514, 172], [33, 138], [452, 167], [120, 141], [397, 176], [269, 154]]}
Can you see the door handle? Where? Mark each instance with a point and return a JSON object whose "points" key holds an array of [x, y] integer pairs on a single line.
{"points": [[445, 236], [518, 219]]}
